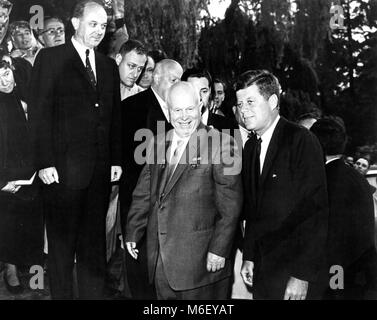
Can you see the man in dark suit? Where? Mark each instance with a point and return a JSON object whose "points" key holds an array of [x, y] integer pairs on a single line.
{"points": [[76, 105], [350, 241], [202, 81], [285, 195], [188, 207], [146, 110]]}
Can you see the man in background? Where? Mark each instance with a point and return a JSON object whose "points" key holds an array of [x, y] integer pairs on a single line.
{"points": [[350, 240], [131, 60], [53, 32], [202, 81]]}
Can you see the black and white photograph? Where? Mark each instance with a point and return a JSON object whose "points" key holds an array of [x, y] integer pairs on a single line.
{"points": [[207, 152]]}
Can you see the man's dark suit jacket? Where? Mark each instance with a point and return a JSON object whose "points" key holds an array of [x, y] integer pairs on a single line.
{"points": [[76, 124], [194, 213], [287, 217], [351, 231], [220, 122], [141, 111]]}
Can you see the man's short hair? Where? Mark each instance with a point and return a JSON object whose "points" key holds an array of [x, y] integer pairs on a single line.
{"points": [[331, 133], [49, 18], [78, 10], [266, 82], [131, 45], [197, 73], [218, 80], [16, 25]]}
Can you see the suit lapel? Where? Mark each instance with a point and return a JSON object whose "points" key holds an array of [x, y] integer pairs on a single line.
{"points": [[100, 73], [271, 151], [155, 113], [191, 150], [78, 64], [162, 168]]}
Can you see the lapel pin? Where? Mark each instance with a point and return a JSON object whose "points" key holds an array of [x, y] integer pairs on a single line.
{"points": [[274, 175]]}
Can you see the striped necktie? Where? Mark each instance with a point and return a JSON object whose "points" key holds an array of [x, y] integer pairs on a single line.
{"points": [[89, 69]]}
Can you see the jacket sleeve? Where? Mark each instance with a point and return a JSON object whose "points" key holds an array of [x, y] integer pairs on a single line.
{"points": [[116, 121], [228, 196], [41, 109], [137, 218], [310, 212]]}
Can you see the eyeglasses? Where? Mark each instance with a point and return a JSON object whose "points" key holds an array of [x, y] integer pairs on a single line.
{"points": [[52, 32]]}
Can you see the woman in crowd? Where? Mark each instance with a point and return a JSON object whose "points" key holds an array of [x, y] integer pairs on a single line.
{"points": [[21, 227]]}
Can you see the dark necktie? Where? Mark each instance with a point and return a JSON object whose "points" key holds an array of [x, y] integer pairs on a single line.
{"points": [[256, 172], [89, 69]]}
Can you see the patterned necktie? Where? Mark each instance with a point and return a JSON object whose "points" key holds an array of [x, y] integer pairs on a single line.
{"points": [[174, 159], [89, 69]]}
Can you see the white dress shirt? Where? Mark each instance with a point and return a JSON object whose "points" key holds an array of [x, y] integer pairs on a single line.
{"points": [[81, 50], [174, 144], [163, 105], [205, 117], [331, 159], [266, 138]]}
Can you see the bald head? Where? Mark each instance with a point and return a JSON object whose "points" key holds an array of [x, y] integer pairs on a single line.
{"points": [[166, 73], [184, 108]]}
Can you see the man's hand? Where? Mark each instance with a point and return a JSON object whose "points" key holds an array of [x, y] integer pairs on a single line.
{"points": [[296, 289], [116, 173], [214, 262], [131, 248], [247, 272], [11, 187], [49, 175]]}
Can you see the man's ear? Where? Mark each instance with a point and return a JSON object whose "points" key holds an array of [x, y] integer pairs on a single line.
{"points": [[118, 59], [75, 23], [273, 101]]}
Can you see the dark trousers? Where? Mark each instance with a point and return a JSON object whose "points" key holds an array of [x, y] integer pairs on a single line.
{"points": [[137, 274], [76, 228], [214, 291]]}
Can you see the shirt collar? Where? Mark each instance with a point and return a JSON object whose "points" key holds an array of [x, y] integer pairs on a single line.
{"points": [[333, 159], [81, 49], [267, 135]]}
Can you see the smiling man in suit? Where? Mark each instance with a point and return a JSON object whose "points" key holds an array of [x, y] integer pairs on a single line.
{"points": [[75, 105], [189, 207], [285, 196], [145, 110]]}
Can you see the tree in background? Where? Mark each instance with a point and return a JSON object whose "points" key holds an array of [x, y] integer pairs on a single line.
{"points": [[320, 66]]}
